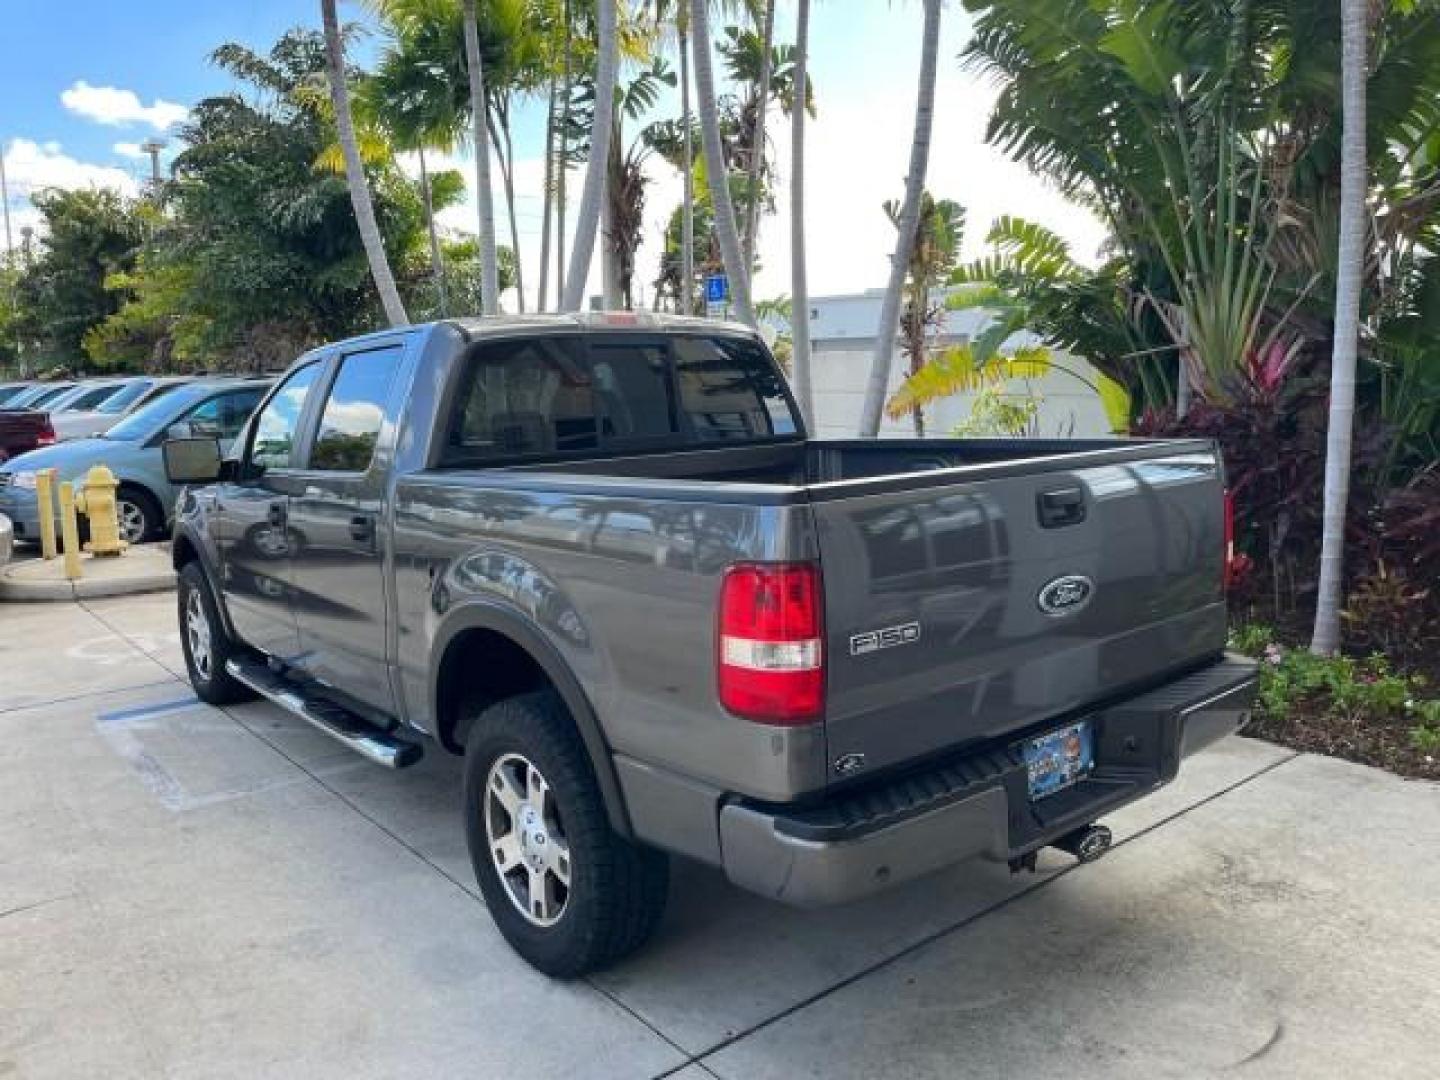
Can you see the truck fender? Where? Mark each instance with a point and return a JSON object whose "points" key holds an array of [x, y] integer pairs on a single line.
{"points": [[186, 546], [482, 616]]}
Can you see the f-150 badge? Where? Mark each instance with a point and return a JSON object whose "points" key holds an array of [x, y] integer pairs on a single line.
{"points": [[875, 640]]}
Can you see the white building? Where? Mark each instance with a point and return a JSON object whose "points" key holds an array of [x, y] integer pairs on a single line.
{"points": [[842, 337]]}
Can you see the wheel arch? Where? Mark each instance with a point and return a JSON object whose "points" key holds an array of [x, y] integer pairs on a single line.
{"points": [[488, 635]]}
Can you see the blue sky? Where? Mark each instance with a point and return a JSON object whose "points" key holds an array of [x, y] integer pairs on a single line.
{"points": [[83, 82]]}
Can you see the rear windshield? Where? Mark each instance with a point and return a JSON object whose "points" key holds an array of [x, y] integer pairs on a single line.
{"points": [[539, 397]]}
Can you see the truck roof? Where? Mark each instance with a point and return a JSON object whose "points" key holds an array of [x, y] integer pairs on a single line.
{"points": [[620, 321]]}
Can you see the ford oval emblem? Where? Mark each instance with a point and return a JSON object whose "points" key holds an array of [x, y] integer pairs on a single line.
{"points": [[1066, 595]]}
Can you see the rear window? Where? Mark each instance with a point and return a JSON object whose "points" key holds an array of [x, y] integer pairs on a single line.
{"points": [[559, 396]]}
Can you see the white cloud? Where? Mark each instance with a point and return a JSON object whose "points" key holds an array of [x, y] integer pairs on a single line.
{"points": [[111, 105], [130, 150], [32, 166]]}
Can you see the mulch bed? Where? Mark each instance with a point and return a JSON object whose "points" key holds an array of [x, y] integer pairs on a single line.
{"points": [[1384, 743]]}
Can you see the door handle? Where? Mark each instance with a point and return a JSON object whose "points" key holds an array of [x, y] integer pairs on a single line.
{"points": [[362, 529], [276, 514], [1061, 507]]}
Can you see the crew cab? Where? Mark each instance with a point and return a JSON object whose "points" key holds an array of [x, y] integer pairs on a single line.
{"points": [[599, 557]]}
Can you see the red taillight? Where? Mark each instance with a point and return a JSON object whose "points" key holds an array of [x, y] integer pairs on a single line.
{"points": [[771, 647], [46, 437]]}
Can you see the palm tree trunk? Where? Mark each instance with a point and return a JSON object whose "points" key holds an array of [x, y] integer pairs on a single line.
{"points": [[505, 151], [355, 172], [587, 219], [548, 200], [437, 263], [1348, 284], [562, 160], [489, 260], [757, 150], [884, 354], [609, 257], [687, 207], [799, 285], [715, 172]]}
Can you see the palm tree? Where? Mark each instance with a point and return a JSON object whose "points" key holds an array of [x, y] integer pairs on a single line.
{"points": [[355, 171], [716, 174], [757, 150], [687, 206], [587, 218], [489, 260], [1349, 282], [799, 286], [884, 353]]}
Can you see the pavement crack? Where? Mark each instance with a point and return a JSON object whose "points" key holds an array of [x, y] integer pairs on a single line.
{"points": [[961, 924], [37, 904]]}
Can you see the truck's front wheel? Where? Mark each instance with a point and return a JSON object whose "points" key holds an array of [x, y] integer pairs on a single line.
{"points": [[568, 894], [204, 642]]}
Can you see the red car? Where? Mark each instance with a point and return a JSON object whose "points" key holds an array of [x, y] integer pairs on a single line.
{"points": [[22, 430]]}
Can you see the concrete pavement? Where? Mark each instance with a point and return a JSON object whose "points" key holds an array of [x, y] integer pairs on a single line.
{"points": [[187, 891]]}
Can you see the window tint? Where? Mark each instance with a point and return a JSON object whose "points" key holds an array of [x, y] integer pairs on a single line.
{"points": [[126, 396], [729, 389], [541, 396], [223, 416], [532, 396], [275, 429], [354, 412]]}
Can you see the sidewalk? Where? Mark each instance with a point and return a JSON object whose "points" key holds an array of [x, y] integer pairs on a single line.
{"points": [[142, 569]]}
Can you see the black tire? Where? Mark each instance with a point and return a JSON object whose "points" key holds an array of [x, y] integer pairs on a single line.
{"points": [[617, 889], [146, 506], [212, 683]]}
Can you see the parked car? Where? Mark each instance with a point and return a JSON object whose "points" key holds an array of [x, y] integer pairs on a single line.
{"points": [[40, 394], [600, 557], [84, 395], [216, 408], [12, 389], [133, 395], [23, 430]]}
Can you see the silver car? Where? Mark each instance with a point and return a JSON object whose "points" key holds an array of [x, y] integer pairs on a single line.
{"points": [[213, 408], [132, 395]]}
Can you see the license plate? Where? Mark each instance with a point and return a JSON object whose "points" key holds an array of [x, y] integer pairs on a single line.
{"points": [[1059, 758]]}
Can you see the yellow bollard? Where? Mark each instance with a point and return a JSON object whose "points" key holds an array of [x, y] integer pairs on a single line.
{"points": [[97, 502], [69, 530], [45, 499]]}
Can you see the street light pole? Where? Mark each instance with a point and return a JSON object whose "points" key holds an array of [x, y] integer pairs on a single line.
{"points": [[153, 148]]}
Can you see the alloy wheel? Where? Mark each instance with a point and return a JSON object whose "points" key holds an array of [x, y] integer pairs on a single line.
{"points": [[131, 519], [197, 634], [527, 841]]}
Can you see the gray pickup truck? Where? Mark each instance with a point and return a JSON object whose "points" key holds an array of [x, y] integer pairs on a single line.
{"points": [[599, 557]]}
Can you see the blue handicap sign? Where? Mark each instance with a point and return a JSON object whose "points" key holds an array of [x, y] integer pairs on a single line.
{"points": [[717, 287]]}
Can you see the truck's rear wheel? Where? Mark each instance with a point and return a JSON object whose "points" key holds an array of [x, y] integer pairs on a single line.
{"points": [[204, 641], [567, 893]]}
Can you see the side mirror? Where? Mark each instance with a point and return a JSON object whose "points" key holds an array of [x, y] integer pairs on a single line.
{"points": [[192, 461]]}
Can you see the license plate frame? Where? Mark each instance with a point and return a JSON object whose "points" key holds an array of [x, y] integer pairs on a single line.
{"points": [[1059, 759]]}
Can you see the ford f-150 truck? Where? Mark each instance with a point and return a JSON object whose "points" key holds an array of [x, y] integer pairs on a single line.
{"points": [[599, 557]]}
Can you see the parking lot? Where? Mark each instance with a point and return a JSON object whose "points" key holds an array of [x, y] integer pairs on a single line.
{"points": [[187, 891]]}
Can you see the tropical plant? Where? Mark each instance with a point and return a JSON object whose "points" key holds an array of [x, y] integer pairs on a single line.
{"points": [[601, 131], [908, 218], [355, 171], [933, 255]]}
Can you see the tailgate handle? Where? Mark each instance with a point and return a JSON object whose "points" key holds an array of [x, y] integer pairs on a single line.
{"points": [[1064, 506]]}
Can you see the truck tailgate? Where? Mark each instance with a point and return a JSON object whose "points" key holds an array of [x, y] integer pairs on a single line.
{"points": [[973, 603]]}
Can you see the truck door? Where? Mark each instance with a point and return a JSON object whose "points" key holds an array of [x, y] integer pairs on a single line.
{"points": [[338, 567], [255, 540]]}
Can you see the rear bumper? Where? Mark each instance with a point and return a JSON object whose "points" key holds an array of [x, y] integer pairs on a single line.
{"points": [[978, 803]]}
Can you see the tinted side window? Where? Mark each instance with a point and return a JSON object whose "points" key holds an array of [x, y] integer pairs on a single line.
{"points": [[532, 396], [276, 427], [223, 416], [355, 411]]}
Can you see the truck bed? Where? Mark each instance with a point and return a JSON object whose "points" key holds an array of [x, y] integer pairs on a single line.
{"points": [[936, 557]]}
